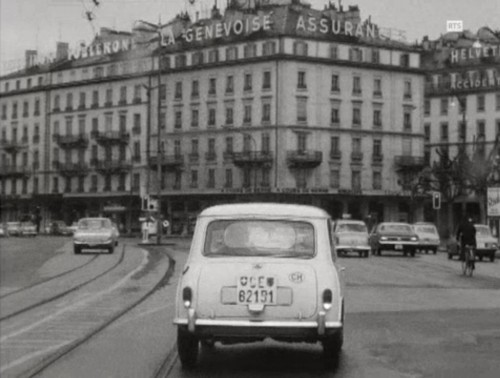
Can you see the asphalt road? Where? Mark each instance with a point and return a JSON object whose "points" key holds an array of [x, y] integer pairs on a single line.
{"points": [[405, 317]]}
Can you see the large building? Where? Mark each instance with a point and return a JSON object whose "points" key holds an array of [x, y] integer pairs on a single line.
{"points": [[276, 102], [462, 117]]}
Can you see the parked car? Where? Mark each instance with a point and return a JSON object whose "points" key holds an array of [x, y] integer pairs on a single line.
{"points": [[73, 227], [259, 271], [13, 228], [27, 229], [351, 236], [486, 244], [3, 230], [95, 233], [428, 237], [394, 236], [58, 227]]}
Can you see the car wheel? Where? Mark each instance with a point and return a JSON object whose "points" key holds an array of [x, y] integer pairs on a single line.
{"points": [[366, 253], [434, 251], [187, 347], [111, 249], [480, 257], [379, 252], [492, 257], [412, 252], [77, 250], [360, 254], [332, 347], [208, 344], [450, 256]]}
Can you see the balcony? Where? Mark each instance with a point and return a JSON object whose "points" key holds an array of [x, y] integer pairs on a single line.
{"points": [[112, 166], [228, 156], [356, 157], [80, 140], [10, 170], [377, 159], [72, 169], [336, 155], [169, 162], [12, 146], [249, 158], [194, 157], [304, 158], [107, 138], [408, 162], [210, 156]]}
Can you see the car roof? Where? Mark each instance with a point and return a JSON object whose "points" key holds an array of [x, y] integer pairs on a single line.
{"points": [[264, 209], [394, 224], [349, 221]]}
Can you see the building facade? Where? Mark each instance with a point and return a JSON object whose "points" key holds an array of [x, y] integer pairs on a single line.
{"points": [[462, 116], [275, 103]]}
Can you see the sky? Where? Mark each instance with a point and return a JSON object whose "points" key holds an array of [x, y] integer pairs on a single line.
{"points": [[39, 24]]}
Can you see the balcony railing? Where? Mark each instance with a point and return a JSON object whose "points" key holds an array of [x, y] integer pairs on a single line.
{"points": [[336, 155], [80, 140], [246, 158], [377, 158], [304, 158], [210, 156], [356, 156], [13, 145], [169, 162], [409, 162], [10, 170], [194, 157], [112, 166], [111, 137], [72, 169]]}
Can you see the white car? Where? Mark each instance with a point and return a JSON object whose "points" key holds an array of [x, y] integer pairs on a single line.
{"points": [[351, 236], [259, 271], [428, 237], [486, 243], [95, 233]]}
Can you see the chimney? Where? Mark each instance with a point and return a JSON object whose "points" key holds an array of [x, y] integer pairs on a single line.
{"points": [[31, 56], [62, 50]]}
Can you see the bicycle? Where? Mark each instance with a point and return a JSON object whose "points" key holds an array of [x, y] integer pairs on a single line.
{"points": [[468, 260]]}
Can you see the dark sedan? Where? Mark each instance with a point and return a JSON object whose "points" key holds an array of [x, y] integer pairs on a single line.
{"points": [[394, 236]]}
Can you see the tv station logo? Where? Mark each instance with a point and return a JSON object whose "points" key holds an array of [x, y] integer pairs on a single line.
{"points": [[454, 26]]}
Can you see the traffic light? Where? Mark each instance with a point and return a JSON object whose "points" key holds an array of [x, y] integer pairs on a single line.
{"points": [[436, 200]]}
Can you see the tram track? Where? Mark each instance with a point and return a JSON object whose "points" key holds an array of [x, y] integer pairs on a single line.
{"points": [[60, 295], [60, 353]]}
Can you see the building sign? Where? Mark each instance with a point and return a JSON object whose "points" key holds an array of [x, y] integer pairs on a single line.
{"points": [[97, 49], [336, 27], [454, 26], [475, 79], [218, 29], [474, 53], [493, 204]]}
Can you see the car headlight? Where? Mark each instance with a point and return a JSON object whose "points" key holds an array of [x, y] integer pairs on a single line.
{"points": [[383, 238], [491, 245], [413, 238]]}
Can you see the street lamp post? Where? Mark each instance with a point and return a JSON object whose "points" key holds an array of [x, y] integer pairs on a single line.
{"points": [[156, 29]]}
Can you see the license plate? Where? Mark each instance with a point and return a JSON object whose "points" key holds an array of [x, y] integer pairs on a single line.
{"points": [[256, 290], [398, 246]]}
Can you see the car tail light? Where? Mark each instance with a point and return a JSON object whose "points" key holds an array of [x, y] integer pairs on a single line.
{"points": [[187, 296], [327, 299]]}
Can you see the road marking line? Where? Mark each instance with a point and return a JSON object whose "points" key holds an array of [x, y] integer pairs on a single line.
{"points": [[82, 302], [27, 357]]}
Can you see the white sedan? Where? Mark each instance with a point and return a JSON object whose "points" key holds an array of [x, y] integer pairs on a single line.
{"points": [[95, 233]]}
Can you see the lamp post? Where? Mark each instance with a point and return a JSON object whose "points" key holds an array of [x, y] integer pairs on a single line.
{"points": [[156, 29]]}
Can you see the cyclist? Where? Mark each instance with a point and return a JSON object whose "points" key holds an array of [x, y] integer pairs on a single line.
{"points": [[466, 235]]}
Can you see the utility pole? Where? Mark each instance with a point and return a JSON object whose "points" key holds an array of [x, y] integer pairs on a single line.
{"points": [[159, 152]]}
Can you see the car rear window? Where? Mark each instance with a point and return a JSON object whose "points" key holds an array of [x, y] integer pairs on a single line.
{"points": [[93, 224], [396, 228], [485, 231], [352, 227], [275, 238], [426, 229]]}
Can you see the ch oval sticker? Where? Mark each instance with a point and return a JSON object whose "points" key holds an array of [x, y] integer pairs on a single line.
{"points": [[296, 277]]}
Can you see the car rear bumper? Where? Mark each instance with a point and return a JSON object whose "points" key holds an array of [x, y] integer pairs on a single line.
{"points": [[99, 245], [291, 330], [397, 246], [352, 248]]}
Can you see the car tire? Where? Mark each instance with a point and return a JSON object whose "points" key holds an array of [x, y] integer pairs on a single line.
{"points": [[412, 252], [366, 253], [492, 257], [379, 252], [450, 256], [111, 249], [434, 251], [480, 257], [332, 346], [187, 347], [77, 250], [208, 344]]}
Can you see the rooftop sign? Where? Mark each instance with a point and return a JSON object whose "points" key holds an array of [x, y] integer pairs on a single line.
{"points": [[473, 53]]}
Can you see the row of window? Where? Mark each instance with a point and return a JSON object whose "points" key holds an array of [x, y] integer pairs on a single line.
{"points": [[248, 178], [461, 131], [445, 104]]}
